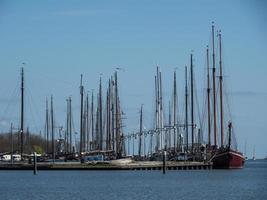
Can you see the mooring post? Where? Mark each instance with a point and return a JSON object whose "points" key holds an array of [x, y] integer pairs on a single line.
{"points": [[34, 163], [164, 161]]}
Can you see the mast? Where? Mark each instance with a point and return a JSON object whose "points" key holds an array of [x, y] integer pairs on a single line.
{"points": [[221, 90], [108, 140], [116, 115], [84, 126], [92, 121], [214, 88], [174, 109], [107, 120], [169, 131], [11, 142], [52, 129], [100, 116], [245, 148], [70, 125], [67, 130], [27, 143], [121, 135], [230, 134], [161, 112], [186, 108], [22, 113], [157, 111], [133, 144], [87, 123], [208, 96], [253, 156], [128, 144], [47, 126], [192, 101], [112, 114], [140, 132], [81, 116]]}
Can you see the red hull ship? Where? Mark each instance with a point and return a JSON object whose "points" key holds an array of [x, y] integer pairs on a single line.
{"points": [[228, 159], [224, 157]]}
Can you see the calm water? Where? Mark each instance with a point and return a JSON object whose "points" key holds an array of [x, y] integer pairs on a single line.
{"points": [[248, 183]]}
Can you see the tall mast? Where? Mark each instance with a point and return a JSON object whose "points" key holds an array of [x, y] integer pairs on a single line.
{"points": [[47, 126], [186, 109], [140, 132], [67, 130], [52, 130], [116, 114], [112, 114], [107, 121], [192, 100], [84, 126], [174, 109], [169, 131], [92, 121], [11, 145], [157, 110], [27, 143], [221, 90], [81, 116], [158, 135], [161, 112], [108, 146], [100, 116], [22, 113], [87, 123], [121, 135], [70, 124], [208, 96], [214, 88], [97, 125]]}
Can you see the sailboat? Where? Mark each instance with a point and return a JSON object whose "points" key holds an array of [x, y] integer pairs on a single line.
{"points": [[226, 157], [223, 157], [254, 157]]}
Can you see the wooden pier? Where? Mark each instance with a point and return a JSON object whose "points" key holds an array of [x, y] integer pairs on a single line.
{"points": [[148, 165]]}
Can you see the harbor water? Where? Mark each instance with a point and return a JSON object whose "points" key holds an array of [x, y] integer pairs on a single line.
{"points": [[248, 183]]}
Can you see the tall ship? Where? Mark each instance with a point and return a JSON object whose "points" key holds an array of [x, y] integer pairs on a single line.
{"points": [[226, 157], [223, 155]]}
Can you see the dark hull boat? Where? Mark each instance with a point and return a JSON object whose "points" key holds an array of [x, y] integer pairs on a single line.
{"points": [[228, 159]]}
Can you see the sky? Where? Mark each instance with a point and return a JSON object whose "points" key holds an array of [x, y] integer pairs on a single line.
{"points": [[59, 40]]}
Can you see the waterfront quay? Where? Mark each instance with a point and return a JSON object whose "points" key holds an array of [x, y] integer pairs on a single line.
{"points": [[109, 165]]}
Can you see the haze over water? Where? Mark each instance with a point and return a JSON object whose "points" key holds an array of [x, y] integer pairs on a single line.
{"points": [[248, 183]]}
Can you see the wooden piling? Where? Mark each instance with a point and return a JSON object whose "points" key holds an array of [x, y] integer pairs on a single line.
{"points": [[164, 162], [34, 164]]}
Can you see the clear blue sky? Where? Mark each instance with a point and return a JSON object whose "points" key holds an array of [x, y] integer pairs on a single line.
{"points": [[59, 40]]}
